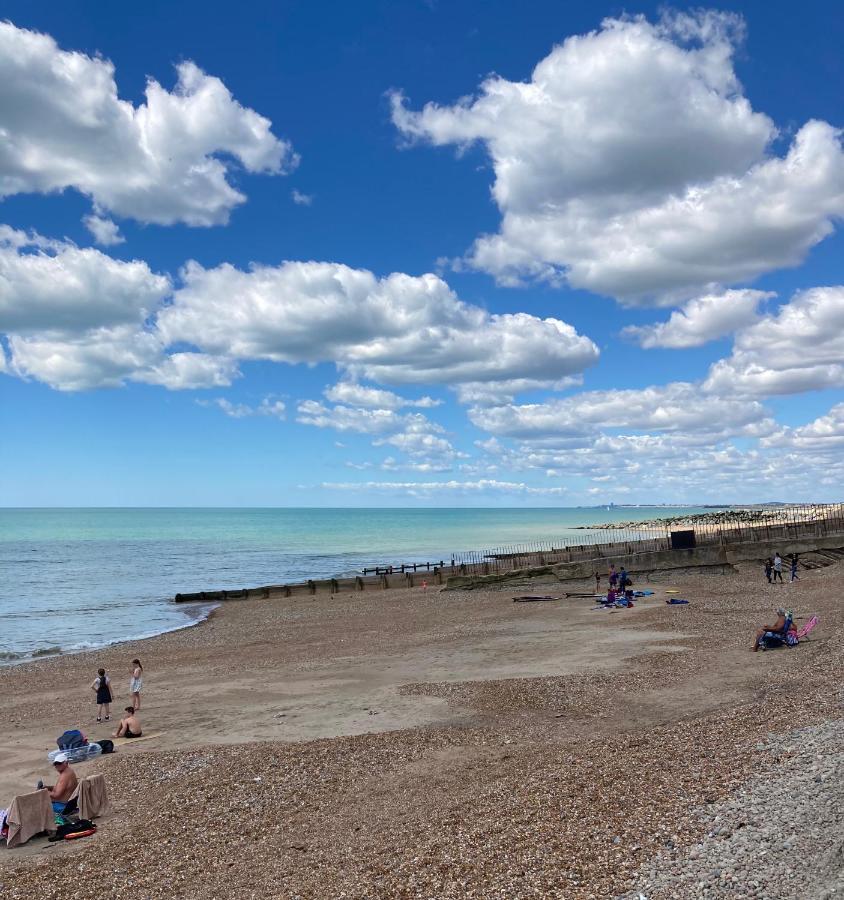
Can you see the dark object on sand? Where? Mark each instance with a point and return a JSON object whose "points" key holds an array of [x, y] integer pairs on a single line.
{"points": [[590, 595], [71, 830], [529, 598]]}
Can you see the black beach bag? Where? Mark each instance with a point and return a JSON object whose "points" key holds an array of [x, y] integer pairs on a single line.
{"points": [[107, 745]]}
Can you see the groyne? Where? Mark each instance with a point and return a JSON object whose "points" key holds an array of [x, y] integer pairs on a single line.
{"points": [[642, 551]]}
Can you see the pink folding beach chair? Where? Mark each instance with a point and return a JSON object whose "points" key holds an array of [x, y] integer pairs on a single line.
{"points": [[807, 628]]}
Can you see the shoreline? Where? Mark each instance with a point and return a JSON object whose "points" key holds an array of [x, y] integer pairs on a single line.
{"points": [[11, 658]]}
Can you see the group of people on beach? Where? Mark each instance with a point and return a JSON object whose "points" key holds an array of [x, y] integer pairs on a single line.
{"points": [[773, 568], [130, 725], [619, 580]]}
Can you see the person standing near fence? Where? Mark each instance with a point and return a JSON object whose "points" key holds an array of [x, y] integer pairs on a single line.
{"points": [[777, 567], [794, 575], [769, 569]]}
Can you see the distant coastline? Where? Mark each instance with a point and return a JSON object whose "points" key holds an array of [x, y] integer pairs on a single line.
{"points": [[750, 514]]}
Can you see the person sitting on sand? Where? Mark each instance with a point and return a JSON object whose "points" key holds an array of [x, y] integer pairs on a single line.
{"points": [[778, 628], [65, 785], [130, 724]]}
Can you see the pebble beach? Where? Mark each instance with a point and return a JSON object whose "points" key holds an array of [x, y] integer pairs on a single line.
{"points": [[456, 744]]}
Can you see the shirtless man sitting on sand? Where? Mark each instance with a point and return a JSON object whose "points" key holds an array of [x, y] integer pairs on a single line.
{"points": [[776, 628], [130, 724], [65, 785]]}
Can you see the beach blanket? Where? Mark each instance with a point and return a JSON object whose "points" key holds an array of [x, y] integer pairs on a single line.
{"points": [[676, 601], [530, 598], [642, 593], [29, 814]]}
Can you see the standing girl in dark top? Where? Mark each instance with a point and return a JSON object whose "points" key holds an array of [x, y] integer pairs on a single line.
{"points": [[101, 686]]}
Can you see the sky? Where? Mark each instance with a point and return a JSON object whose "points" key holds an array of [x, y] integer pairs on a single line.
{"points": [[420, 253]]}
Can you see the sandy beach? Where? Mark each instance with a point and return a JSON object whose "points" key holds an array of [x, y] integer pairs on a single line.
{"points": [[441, 744]]}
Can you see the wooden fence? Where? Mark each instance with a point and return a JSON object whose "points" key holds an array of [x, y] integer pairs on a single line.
{"points": [[730, 527]]}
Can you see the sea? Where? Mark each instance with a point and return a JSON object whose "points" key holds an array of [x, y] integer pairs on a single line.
{"points": [[77, 579]]}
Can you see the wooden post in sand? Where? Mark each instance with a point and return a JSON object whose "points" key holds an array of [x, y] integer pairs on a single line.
{"points": [[333, 586], [358, 583], [311, 587], [409, 577], [384, 584]]}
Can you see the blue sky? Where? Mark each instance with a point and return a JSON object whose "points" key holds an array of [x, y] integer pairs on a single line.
{"points": [[420, 253]]}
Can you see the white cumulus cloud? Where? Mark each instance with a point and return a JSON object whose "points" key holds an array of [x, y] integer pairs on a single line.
{"points": [[275, 409], [632, 165], [363, 421], [676, 407], [826, 433], [128, 322], [353, 394], [63, 125], [799, 347], [396, 330], [57, 287], [701, 320], [105, 231]]}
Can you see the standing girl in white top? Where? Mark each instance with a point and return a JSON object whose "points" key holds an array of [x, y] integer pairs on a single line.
{"points": [[136, 683]]}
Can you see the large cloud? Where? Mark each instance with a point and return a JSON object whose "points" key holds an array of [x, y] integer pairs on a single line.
{"points": [[397, 330], [66, 308], [798, 348], [631, 165], [62, 125]]}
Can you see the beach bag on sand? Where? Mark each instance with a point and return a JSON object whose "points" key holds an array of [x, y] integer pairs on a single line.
{"points": [[106, 746], [82, 828], [71, 739]]}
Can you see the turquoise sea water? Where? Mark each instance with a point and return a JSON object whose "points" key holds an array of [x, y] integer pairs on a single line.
{"points": [[80, 578]]}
